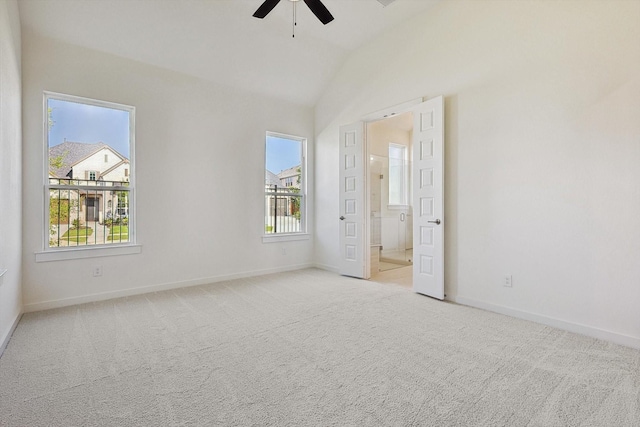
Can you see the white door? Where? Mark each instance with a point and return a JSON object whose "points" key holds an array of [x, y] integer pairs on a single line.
{"points": [[353, 238], [428, 198]]}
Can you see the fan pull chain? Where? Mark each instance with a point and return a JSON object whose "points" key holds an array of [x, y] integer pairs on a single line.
{"points": [[295, 19]]}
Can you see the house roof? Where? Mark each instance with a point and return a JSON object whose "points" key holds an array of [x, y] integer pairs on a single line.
{"points": [[114, 167], [271, 178], [74, 152]]}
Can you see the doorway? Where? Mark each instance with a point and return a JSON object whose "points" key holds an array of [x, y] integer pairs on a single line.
{"points": [[426, 162], [92, 209], [390, 145]]}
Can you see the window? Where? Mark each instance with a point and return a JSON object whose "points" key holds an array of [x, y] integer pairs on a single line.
{"points": [[398, 176], [284, 196], [89, 185]]}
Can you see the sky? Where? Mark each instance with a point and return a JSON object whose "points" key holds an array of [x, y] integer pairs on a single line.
{"points": [[282, 154], [89, 123]]}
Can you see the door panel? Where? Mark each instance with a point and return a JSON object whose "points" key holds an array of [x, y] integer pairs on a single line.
{"points": [[428, 198], [353, 239]]}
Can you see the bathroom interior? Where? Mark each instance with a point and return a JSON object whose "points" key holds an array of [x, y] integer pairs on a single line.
{"points": [[391, 215]]}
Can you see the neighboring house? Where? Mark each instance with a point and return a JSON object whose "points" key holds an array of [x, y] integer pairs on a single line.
{"points": [[91, 164], [284, 182], [271, 179], [290, 177]]}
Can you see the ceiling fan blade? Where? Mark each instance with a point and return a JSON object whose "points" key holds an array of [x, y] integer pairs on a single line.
{"points": [[265, 8], [320, 11]]}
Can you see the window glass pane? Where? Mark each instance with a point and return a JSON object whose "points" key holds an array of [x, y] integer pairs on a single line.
{"points": [[397, 174], [89, 152], [284, 190]]}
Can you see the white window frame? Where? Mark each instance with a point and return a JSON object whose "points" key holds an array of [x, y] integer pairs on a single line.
{"points": [[302, 234], [404, 191], [96, 250]]}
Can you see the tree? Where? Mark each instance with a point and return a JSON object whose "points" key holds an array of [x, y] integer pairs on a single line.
{"points": [[58, 161], [51, 122]]}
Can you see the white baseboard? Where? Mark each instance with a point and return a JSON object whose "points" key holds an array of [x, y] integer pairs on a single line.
{"points": [[65, 302], [7, 337], [590, 331]]}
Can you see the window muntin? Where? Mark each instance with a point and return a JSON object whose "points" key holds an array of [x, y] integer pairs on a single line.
{"points": [[89, 150], [398, 175], [284, 184]]}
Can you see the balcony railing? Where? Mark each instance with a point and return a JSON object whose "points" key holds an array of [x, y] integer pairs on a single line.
{"points": [[85, 212], [283, 207]]}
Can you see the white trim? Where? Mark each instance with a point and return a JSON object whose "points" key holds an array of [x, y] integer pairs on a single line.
{"points": [[614, 337], [5, 340], [131, 188], [46, 305], [86, 252], [393, 111], [304, 193], [273, 238]]}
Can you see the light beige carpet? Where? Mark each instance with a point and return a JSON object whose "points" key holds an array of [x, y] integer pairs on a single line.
{"points": [[307, 348]]}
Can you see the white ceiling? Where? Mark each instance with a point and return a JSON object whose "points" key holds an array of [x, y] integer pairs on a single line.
{"points": [[219, 40]]}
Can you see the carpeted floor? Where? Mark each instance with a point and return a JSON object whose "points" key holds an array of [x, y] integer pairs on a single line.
{"points": [[307, 348]]}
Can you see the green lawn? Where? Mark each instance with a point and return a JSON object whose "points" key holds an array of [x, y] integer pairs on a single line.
{"points": [[77, 235], [118, 233]]}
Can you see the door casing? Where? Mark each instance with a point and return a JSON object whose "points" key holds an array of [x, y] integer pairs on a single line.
{"points": [[406, 107]]}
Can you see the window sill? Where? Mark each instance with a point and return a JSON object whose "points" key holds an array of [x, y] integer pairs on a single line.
{"points": [[285, 237], [80, 253]]}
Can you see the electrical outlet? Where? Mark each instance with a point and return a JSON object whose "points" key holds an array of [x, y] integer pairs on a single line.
{"points": [[508, 281], [97, 271]]}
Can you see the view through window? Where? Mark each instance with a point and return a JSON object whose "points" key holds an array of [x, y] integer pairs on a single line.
{"points": [[284, 184], [89, 186], [398, 176]]}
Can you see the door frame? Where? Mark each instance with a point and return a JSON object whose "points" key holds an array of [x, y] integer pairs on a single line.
{"points": [[405, 107]]}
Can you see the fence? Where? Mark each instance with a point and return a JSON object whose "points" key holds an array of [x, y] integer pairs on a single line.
{"points": [[86, 212], [283, 207]]}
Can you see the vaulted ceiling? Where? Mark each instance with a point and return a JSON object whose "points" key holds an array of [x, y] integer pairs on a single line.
{"points": [[219, 40]]}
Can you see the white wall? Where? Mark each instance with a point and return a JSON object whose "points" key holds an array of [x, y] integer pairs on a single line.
{"points": [[10, 168], [200, 176], [542, 105]]}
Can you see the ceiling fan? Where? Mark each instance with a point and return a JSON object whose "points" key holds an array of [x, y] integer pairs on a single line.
{"points": [[316, 6]]}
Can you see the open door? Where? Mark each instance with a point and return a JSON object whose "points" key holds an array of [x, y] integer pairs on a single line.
{"points": [[353, 237], [428, 198]]}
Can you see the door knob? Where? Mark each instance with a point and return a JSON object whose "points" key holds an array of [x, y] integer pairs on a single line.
{"points": [[437, 221], [342, 218]]}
